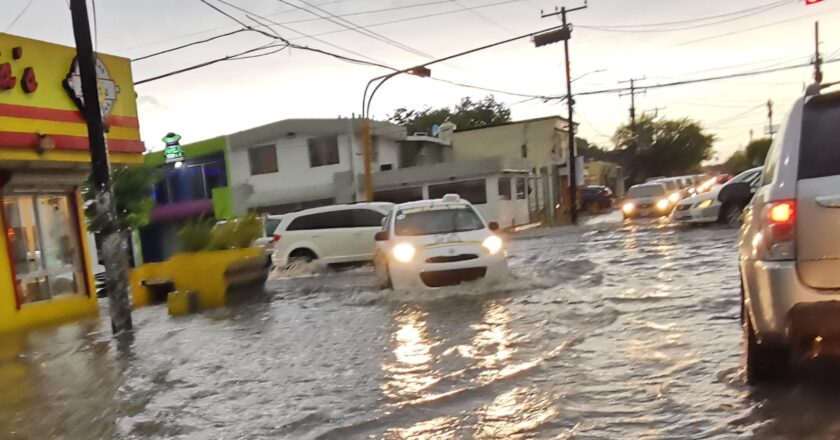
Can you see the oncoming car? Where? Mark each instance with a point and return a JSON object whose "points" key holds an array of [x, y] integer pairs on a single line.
{"points": [[436, 243], [646, 200]]}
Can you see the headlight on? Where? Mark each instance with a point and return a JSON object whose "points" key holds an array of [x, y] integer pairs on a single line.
{"points": [[403, 252], [493, 244], [705, 203], [628, 207], [662, 204], [674, 197]]}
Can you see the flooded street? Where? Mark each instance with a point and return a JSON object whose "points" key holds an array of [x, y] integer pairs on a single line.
{"points": [[605, 332]]}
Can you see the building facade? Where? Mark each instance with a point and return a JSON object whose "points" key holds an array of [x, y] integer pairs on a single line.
{"points": [[45, 257]]}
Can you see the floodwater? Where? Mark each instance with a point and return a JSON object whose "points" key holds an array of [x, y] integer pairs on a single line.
{"points": [[607, 331]]}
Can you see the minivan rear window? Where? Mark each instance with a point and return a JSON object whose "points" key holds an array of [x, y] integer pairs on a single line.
{"points": [[819, 154]]}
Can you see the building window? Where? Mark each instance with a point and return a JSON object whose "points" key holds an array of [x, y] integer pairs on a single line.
{"points": [[474, 191], [323, 151], [520, 188], [504, 188], [386, 167], [263, 159], [524, 151], [401, 195], [42, 233]]}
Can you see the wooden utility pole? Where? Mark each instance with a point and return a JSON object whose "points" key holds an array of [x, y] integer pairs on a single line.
{"points": [[770, 130], [114, 246], [818, 76], [573, 189]]}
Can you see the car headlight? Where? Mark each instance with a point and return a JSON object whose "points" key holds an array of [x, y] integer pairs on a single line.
{"points": [[403, 252], [674, 197], [705, 203], [628, 207], [663, 204], [493, 244]]}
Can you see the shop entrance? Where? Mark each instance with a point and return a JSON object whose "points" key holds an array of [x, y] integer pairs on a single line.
{"points": [[42, 232]]}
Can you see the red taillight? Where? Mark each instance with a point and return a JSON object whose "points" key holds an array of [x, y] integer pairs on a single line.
{"points": [[275, 238], [780, 229]]}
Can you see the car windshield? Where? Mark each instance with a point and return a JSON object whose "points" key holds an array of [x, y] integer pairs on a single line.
{"points": [[436, 220], [646, 191]]}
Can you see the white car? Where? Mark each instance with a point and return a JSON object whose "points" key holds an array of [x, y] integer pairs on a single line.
{"points": [[436, 243], [647, 200], [789, 244], [329, 234], [706, 208]]}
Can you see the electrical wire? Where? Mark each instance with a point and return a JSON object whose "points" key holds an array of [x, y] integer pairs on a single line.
{"points": [[184, 46], [358, 29], [20, 14], [207, 63], [484, 17]]}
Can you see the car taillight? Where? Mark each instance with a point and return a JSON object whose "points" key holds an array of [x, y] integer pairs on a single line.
{"points": [[275, 238], [779, 232]]}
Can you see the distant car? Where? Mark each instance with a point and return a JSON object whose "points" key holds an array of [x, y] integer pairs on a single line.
{"points": [[789, 243], [436, 243], [705, 208], [597, 198], [330, 234], [646, 200], [267, 239]]}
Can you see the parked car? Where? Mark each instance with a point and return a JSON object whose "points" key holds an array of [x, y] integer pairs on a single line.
{"points": [[436, 243], [706, 208], [270, 223], [596, 198], [646, 200], [789, 243], [330, 234]]}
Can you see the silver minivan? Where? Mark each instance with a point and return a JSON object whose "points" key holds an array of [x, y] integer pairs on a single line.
{"points": [[789, 242]]}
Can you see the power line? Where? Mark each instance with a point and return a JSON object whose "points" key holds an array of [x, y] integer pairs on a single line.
{"points": [[15, 20], [208, 63], [358, 29], [484, 17], [184, 46]]}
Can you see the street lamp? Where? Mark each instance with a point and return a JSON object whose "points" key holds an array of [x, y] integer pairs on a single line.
{"points": [[589, 73], [422, 72]]}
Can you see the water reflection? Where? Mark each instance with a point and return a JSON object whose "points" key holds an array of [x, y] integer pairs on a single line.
{"points": [[411, 372], [440, 428], [515, 414]]}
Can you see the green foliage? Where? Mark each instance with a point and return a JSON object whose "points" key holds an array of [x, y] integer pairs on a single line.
{"points": [[236, 233], [757, 150], [466, 114], [132, 186], [195, 236], [668, 147], [737, 163]]}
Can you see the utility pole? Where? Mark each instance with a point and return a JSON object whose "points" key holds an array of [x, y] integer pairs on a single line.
{"points": [[571, 106], [114, 246], [818, 76], [632, 93], [770, 130]]}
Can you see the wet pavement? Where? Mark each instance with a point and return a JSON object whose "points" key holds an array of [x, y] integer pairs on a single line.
{"points": [[606, 331]]}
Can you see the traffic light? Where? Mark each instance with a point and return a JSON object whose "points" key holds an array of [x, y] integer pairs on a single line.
{"points": [[812, 2]]}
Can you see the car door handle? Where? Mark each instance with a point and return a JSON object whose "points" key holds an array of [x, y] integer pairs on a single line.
{"points": [[829, 201]]}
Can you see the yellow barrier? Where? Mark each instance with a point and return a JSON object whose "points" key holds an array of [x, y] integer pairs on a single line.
{"points": [[202, 272]]}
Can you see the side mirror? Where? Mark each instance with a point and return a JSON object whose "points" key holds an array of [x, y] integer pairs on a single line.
{"points": [[735, 193], [381, 236], [493, 226]]}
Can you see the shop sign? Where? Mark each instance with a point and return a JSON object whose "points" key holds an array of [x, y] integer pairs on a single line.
{"points": [[173, 151], [108, 89]]}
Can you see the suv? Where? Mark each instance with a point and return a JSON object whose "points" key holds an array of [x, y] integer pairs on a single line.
{"points": [[331, 234], [436, 243], [789, 242], [597, 198]]}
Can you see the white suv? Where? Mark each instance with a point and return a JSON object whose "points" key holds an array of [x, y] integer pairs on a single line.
{"points": [[436, 243], [330, 234], [790, 242]]}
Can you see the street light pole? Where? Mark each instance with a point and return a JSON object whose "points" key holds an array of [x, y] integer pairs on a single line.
{"points": [[114, 247], [566, 35]]}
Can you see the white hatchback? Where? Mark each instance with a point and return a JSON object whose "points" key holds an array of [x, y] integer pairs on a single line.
{"points": [[436, 243], [329, 234]]}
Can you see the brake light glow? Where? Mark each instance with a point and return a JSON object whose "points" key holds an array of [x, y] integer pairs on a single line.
{"points": [[275, 238], [782, 212]]}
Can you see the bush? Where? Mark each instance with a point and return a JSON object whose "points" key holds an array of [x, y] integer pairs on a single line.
{"points": [[196, 235], [236, 233]]}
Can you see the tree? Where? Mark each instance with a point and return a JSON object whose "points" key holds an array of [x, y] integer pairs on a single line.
{"points": [[486, 112], [756, 151], [132, 193], [667, 147], [737, 163]]}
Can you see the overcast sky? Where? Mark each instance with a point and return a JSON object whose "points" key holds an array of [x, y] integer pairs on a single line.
{"points": [[609, 35]]}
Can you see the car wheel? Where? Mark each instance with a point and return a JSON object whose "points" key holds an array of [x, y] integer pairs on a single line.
{"points": [[764, 363], [731, 214], [302, 256]]}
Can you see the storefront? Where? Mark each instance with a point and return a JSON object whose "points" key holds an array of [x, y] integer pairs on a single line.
{"points": [[45, 263]]}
